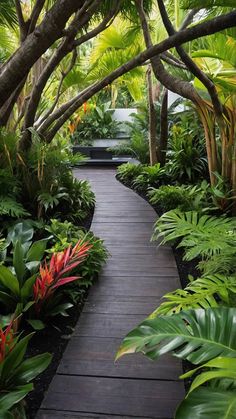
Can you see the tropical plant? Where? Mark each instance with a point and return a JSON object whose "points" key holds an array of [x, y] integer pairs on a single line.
{"points": [[128, 172], [186, 155], [96, 122], [81, 198], [52, 276], [205, 292], [138, 130], [188, 335], [11, 208], [65, 234], [47, 180], [16, 282], [183, 197], [139, 147], [203, 337], [200, 235], [151, 176], [17, 373]]}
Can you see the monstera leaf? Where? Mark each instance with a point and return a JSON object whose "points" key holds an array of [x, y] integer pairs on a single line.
{"points": [[208, 403], [195, 335]]}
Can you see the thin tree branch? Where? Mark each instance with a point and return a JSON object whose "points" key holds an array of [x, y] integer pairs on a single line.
{"points": [[21, 21], [34, 46], [63, 76], [169, 59], [171, 82], [189, 19], [38, 7], [64, 48]]}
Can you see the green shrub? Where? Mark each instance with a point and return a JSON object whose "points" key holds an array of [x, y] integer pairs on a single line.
{"points": [[213, 239], [81, 198], [128, 172], [151, 176], [96, 123], [65, 234], [170, 197], [186, 155], [47, 180]]}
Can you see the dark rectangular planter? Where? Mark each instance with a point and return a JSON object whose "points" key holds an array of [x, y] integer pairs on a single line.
{"points": [[93, 152]]}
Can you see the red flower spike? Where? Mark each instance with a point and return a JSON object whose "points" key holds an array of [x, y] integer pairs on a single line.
{"points": [[7, 342], [51, 276]]}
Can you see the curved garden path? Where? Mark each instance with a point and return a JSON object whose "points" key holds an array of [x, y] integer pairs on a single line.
{"points": [[88, 384]]}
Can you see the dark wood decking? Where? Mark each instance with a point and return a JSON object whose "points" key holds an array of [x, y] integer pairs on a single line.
{"points": [[88, 383]]}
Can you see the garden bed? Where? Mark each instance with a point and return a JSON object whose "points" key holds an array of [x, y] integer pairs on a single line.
{"points": [[53, 339]]}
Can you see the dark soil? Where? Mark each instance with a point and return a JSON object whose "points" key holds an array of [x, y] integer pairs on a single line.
{"points": [[53, 339]]}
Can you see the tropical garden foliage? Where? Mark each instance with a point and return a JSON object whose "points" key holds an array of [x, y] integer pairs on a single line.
{"points": [[64, 66]]}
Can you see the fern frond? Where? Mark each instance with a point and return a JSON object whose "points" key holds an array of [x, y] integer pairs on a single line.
{"points": [[204, 292], [175, 224], [9, 206]]}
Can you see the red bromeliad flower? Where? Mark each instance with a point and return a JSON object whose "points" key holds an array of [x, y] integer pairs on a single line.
{"points": [[52, 275], [7, 342]]}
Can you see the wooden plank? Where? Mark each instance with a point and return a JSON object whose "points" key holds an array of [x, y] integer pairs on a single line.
{"points": [[119, 306], [140, 249], [135, 269], [55, 414], [95, 357], [142, 261], [106, 325], [136, 286], [116, 219], [113, 396]]}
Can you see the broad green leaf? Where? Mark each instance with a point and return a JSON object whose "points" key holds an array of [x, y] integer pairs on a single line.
{"points": [[9, 280], [208, 403], [27, 289], [61, 309], [33, 266], [13, 397], [20, 231], [219, 368], [36, 251], [195, 335], [36, 324], [15, 357], [31, 368]]}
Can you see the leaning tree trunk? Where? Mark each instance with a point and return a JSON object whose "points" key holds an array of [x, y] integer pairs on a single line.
{"points": [[162, 146], [152, 119]]}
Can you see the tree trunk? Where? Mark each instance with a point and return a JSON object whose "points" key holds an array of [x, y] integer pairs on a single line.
{"points": [[152, 119], [35, 45], [162, 146]]}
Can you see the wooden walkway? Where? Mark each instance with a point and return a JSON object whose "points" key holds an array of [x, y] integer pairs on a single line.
{"points": [[88, 384]]}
